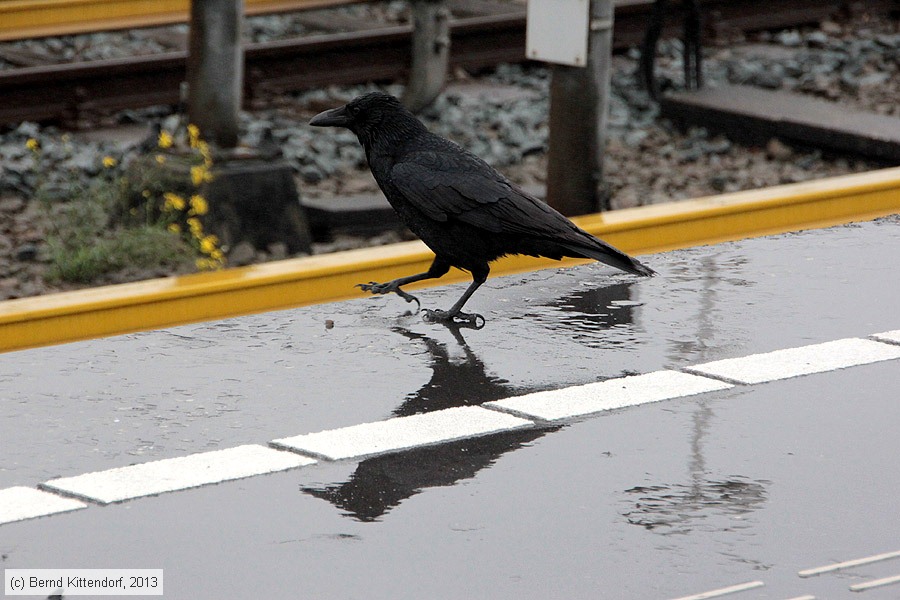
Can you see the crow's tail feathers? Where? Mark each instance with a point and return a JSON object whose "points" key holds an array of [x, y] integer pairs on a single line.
{"points": [[613, 257]]}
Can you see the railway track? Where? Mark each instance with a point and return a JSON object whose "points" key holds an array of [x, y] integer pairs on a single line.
{"points": [[482, 34]]}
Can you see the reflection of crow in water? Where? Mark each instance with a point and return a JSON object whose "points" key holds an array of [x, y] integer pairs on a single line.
{"points": [[598, 317], [449, 378], [597, 309], [380, 483]]}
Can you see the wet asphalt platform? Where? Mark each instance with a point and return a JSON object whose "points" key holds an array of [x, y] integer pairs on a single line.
{"points": [[744, 485]]}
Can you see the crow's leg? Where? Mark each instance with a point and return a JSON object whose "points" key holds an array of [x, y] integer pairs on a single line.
{"points": [[437, 269], [648, 48], [455, 313], [693, 50]]}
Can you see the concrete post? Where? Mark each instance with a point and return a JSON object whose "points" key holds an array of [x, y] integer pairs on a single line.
{"points": [[430, 53], [215, 69], [579, 109]]}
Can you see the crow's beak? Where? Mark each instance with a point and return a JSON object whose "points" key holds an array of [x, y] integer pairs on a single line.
{"points": [[336, 117]]}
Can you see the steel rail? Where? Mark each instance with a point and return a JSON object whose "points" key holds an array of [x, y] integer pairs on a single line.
{"points": [[61, 92], [111, 310]]}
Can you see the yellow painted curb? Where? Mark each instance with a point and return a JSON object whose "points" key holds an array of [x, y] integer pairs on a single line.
{"points": [[111, 310]]}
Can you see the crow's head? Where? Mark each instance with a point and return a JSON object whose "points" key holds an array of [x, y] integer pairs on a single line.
{"points": [[368, 115]]}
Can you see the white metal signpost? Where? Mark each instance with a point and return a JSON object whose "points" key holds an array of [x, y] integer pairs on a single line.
{"points": [[556, 31]]}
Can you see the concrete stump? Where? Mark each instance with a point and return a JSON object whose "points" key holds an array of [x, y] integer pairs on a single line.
{"points": [[256, 201]]}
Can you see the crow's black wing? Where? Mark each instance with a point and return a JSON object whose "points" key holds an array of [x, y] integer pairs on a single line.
{"points": [[449, 183], [458, 185]]}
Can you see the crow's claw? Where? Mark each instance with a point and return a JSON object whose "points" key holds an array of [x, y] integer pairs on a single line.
{"points": [[386, 288], [374, 287], [409, 298], [458, 318]]}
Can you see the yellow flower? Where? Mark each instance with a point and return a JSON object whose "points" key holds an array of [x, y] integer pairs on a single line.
{"points": [[217, 255], [32, 144], [109, 162], [199, 174], [174, 228], [165, 139], [145, 193], [199, 205], [160, 159], [173, 202], [193, 135], [208, 264], [195, 226], [208, 244], [205, 152]]}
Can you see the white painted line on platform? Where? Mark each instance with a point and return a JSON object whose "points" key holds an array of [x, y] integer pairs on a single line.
{"points": [[891, 337], [803, 598], [792, 362], [741, 587], [849, 563], [169, 475], [875, 583], [20, 503], [606, 395], [368, 439], [402, 433]]}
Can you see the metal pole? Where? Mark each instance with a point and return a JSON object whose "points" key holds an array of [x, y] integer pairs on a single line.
{"points": [[430, 53], [579, 101], [215, 69]]}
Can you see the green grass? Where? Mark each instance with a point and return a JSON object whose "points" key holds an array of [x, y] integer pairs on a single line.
{"points": [[86, 243], [142, 247]]}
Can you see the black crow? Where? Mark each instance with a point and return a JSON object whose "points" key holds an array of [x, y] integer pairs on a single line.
{"points": [[463, 209]]}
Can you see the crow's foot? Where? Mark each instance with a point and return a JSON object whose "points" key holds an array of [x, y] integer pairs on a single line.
{"points": [[457, 318], [386, 288]]}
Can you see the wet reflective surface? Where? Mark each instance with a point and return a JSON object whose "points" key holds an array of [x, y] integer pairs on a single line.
{"points": [[650, 502]]}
